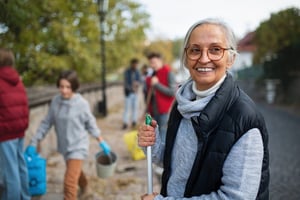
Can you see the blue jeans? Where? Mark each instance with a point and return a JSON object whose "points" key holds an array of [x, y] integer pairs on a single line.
{"points": [[162, 121], [14, 170], [131, 107]]}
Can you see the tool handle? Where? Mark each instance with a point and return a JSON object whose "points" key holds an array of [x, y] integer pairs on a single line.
{"points": [[148, 120]]}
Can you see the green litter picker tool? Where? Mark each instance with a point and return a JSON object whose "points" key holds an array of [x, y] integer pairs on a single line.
{"points": [[148, 120]]}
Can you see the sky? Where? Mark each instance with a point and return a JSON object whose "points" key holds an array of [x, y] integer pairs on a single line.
{"points": [[171, 19]]}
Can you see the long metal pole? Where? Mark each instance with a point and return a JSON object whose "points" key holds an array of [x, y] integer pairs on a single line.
{"points": [[148, 120], [102, 32], [149, 166]]}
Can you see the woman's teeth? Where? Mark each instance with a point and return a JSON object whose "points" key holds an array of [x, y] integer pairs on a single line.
{"points": [[202, 69]]}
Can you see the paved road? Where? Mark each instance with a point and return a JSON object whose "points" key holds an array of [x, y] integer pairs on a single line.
{"points": [[284, 139]]}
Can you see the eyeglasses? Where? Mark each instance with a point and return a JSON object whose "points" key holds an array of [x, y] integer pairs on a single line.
{"points": [[214, 53]]}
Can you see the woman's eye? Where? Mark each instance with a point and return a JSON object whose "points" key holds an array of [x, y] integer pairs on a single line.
{"points": [[195, 50], [215, 49]]}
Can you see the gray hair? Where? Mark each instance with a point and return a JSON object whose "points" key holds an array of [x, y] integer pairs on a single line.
{"points": [[229, 34]]}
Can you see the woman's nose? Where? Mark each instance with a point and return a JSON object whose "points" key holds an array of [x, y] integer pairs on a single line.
{"points": [[204, 57]]}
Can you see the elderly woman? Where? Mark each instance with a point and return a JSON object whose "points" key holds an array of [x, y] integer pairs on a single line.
{"points": [[217, 142]]}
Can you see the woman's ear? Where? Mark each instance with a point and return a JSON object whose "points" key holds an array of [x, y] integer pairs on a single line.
{"points": [[230, 60]]}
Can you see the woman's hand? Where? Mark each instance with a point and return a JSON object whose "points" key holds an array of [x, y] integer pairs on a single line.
{"points": [[146, 134], [149, 196]]}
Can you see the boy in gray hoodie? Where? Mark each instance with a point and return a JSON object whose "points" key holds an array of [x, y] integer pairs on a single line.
{"points": [[71, 116]]}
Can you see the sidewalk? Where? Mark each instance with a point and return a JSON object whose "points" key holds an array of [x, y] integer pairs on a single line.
{"points": [[130, 179]]}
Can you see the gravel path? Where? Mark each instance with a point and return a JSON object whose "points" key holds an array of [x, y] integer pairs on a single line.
{"points": [[129, 181]]}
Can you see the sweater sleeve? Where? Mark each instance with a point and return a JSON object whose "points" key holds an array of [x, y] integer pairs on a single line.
{"points": [[90, 121], [171, 88], [241, 171], [127, 80], [44, 126], [157, 149]]}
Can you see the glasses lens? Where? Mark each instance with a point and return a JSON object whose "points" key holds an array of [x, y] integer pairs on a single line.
{"points": [[215, 53], [194, 53]]}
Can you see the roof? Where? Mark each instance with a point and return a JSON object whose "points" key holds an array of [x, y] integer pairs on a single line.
{"points": [[247, 43]]}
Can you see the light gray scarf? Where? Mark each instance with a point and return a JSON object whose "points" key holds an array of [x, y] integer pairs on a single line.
{"points": [[192, 101]]}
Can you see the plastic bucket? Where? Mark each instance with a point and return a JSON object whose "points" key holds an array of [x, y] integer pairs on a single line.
{"points": [[105, 165]]}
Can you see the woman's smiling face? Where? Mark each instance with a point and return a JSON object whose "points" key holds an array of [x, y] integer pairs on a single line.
{"points": [[204, 71]]}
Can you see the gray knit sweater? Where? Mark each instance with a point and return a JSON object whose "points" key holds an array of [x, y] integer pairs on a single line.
{"points": [[242, 167], [72, 120]]}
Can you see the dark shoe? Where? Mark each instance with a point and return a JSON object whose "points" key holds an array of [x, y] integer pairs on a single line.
{"points": [[124, 126], [133, 124], [85, 193]]}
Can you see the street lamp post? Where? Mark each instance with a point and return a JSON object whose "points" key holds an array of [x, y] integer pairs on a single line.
{"points": [[103, 8]]}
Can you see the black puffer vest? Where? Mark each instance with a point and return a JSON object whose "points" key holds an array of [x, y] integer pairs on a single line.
{"points": [[228, 115]]}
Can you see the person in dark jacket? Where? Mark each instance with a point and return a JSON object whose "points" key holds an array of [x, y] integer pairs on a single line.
{"points": [[132, 82], [217, 143], [14, 116]]}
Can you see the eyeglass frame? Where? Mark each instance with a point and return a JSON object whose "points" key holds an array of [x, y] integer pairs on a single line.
{"points": [[223, 50]]}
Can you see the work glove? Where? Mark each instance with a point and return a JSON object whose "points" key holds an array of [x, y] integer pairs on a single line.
{"points": [[105, 147], [31, 150]]}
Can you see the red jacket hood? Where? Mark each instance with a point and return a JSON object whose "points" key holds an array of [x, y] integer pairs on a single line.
{"points": [[9, 75]]}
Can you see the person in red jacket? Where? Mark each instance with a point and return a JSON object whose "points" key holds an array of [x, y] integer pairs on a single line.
{"points": [[161, 87], [14, 117]]}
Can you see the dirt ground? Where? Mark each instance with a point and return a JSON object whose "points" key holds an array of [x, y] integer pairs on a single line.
{"points": [[129, 180]]}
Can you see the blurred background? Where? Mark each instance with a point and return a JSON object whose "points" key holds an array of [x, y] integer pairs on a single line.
{"points": [[98, 38], [53, 35]]}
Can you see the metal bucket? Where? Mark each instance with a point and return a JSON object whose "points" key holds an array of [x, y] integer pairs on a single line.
{"points": [[105, 164]]}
